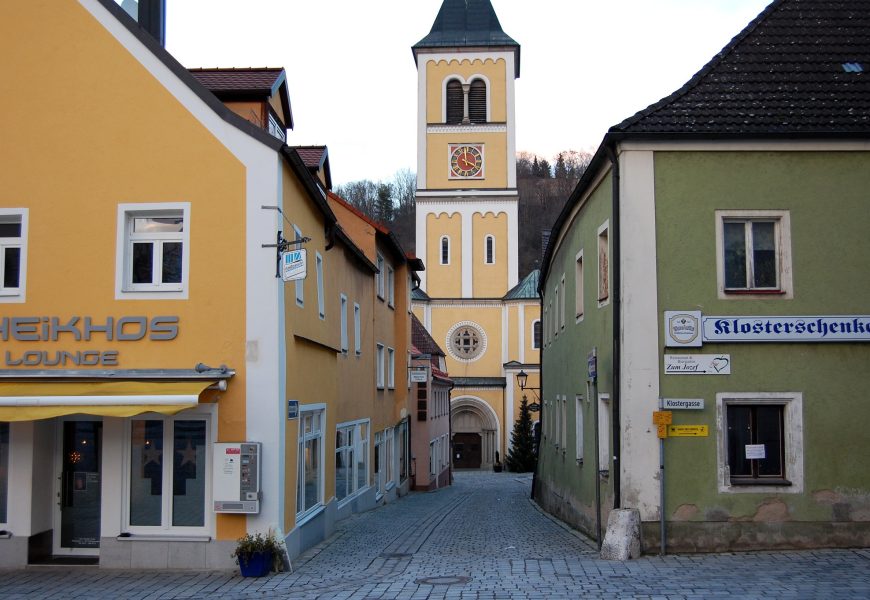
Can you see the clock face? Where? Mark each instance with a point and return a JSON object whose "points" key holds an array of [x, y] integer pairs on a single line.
{"points": [[466, 161]]}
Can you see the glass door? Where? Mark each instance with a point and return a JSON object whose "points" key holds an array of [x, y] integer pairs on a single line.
{"points": [[77, 528]]}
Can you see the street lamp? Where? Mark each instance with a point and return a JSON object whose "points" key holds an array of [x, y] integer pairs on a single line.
{"points": [[522, 379]]}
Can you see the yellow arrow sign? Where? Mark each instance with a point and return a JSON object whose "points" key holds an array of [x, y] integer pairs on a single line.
{"points": [[687, 431]]}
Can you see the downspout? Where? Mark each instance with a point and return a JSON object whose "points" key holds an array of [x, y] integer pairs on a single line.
{"points": [[540, 398], [616, 291]]}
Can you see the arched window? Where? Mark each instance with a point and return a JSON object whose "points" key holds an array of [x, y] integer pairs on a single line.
{"points": [[455, 102], [489, 250], [536, 334], [477, 101], [445, 250]]}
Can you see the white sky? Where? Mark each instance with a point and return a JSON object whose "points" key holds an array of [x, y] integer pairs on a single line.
{"points": [[585, 64]]}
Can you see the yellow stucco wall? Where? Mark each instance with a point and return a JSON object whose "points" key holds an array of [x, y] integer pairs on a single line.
{"points": [[438, 72], [486, 317], [443, 281], [490, 280]]}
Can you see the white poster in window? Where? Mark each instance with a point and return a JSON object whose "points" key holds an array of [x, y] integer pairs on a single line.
{"points": [[755, 451]]}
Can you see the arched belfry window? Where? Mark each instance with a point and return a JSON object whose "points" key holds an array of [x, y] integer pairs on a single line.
{"points": [[445, 250], [489, 250], [477, 101], [455, 102]]}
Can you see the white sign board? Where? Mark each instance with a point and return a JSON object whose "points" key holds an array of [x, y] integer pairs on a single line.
{"points": [[697, 364], [683, 403], [853, 328], [419, 375], [293, 265], [683, 328], [755, 451]]}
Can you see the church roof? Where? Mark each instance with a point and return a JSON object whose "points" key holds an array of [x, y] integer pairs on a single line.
{"points": [[467, 23], [527, 289]]}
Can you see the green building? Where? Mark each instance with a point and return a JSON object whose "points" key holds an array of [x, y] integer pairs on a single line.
{"points": [[715, 256]]}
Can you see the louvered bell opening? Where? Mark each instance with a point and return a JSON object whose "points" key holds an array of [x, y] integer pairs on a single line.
{"points": [[477, 102], [455, 102]]}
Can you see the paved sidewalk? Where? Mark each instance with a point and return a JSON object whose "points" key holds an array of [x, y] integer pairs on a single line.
{"points": [[483, 539]]}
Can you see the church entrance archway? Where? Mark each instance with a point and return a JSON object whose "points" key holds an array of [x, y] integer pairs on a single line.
{"points": [[475, 433]]}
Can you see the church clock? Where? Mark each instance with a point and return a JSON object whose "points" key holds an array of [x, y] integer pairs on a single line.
{"points": [[466, 161]]}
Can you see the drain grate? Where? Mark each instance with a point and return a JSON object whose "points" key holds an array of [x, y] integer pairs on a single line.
{"points": [[444, 580]]}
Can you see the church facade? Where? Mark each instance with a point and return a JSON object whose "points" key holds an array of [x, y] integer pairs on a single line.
{"points": [[472, 300]]}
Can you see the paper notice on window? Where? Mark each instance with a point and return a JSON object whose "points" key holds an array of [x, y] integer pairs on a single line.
{"points": [[755, 451]]}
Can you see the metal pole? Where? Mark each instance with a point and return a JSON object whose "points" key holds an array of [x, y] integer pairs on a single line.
{"points": [[662, 545]]}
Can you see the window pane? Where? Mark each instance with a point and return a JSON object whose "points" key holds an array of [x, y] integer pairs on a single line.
{"points": [[11, 267], [445, 251], [10, 230], [739, 434], [158, 225], [735, 255], [768, 431], [312, 473], [146, 473], [188, 474], [143, 263], [342, 469], [764, 254], [172, 262], [4, 472]]}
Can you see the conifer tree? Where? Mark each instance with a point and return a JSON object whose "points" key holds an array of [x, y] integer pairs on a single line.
{"points": [[521, 457]]}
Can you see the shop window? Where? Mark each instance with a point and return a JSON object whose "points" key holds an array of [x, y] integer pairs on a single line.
{"points": [[167, 478], [309, 477], [155, 245], [13, 243], [4, 472], [761, 442], [753, 253], [351, 459]]}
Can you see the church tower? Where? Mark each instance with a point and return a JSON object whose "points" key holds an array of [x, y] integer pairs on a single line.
{"points": [[466, 154], [471, 300]]}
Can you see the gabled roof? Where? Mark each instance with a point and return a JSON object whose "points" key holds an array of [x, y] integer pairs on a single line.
{"points": [[422, 340], [802, 66], [467, 23], [242, 83], [527, 289], [316, 158]]}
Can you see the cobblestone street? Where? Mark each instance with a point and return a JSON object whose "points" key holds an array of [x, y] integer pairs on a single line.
{"points": [[481, 538]]}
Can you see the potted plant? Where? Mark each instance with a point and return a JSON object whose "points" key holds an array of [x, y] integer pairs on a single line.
{"points": [[258, 554]]}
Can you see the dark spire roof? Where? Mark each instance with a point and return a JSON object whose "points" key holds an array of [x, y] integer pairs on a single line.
{"points": [[467, 23], [802, 66], [527, 289]]}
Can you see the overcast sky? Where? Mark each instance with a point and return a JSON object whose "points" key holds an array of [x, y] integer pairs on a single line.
{"points": [[585, 64]]}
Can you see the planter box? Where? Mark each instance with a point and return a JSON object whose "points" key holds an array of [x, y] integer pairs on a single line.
{"points": [[257, 564]]}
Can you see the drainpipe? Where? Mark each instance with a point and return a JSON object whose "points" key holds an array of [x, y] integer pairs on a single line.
{"points": [[616, 290]]}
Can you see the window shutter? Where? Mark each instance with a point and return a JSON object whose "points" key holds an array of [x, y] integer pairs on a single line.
{"points": [[455, 102], [477, 102]]}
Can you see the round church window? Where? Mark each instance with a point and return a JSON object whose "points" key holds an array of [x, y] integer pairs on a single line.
{"points": [[466, 341]]}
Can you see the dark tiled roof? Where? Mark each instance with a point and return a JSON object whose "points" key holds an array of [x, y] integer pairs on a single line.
{"points": [[422, 340], [249, 80], [418, 294], [527, 289], [795, 69], [467, 23], [312, 156]]}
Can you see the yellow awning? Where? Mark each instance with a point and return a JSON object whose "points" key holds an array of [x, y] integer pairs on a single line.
{"points": [[32, 400]]}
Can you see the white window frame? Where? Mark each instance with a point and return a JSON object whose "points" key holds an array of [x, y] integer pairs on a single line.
{"points": [[604, 274], [124, 288], [198, 413], [389, 458], [359, 446], [578, 428], [604, 430], [379, 276], [782, 233], [300, 283], [391, 287], [441, 261], [391, 368], [357, 329], [345, 342], [19, 216], [579, 304], [380, 364], [302, 437], [321, 300], [793, 462], [487, 254]]}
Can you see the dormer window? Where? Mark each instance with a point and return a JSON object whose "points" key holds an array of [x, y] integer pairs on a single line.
{"points": [[466, 103], [275, 129]]}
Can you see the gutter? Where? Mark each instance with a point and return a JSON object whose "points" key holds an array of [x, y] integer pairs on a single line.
{"points": [[616, 290]]}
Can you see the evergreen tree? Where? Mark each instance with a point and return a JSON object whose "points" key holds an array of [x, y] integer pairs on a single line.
{"points": [[521, 457]]}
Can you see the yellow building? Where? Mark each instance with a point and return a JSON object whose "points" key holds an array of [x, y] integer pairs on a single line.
{"points": [[472, 301], [162, 390]]}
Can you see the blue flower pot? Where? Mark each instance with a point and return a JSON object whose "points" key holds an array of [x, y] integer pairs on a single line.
{"points": [[257, 564]]}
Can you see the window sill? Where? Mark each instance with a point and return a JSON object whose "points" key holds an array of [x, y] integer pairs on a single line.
{"points": [[741, 292], [303, 518], [138, 537], [752, 481]]}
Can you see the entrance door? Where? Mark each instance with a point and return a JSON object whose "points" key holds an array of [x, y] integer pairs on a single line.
{"points": [[466, 451], [77, 522]]}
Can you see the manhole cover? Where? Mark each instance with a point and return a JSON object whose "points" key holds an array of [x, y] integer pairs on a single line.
{"points": [[395, 555], [444, 580]]}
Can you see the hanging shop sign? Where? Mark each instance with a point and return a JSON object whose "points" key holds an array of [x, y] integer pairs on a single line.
{"points": [[697, 364], [294, 264], [419, 374], [690, 329]]}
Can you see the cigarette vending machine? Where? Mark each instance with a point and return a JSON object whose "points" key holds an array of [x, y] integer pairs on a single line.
{"points": [[236, 477]]}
